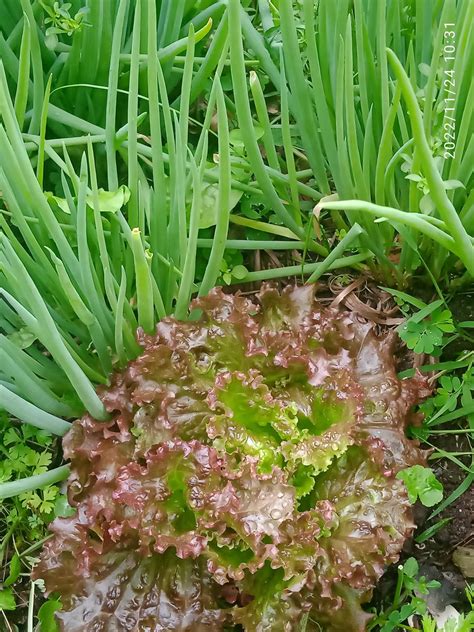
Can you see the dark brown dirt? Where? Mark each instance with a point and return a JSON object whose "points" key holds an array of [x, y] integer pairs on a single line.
{"points": [[435, 555], [460, 530]]}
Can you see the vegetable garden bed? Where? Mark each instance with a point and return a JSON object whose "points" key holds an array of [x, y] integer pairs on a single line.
{"points": [[292, 451]]}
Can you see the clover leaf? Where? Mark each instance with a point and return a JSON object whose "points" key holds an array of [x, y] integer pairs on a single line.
{"points": [[424, 331]]}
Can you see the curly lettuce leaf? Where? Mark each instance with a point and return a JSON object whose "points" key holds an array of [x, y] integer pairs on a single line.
{"points": [[246, 476], [373, 521], [125, 590]]}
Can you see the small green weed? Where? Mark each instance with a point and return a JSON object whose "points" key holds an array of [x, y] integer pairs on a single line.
{"points": [[26, 451], [407, 599], [422, 484], [61, 22], [424, 331], [461, 623]]}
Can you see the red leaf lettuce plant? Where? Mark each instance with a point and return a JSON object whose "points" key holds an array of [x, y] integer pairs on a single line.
{"points": [[246, 476]]}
